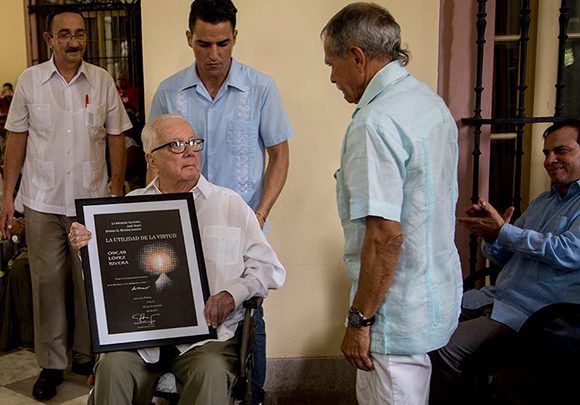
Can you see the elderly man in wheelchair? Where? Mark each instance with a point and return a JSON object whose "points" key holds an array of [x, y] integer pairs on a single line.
{"points": [[240, 264], [537, 294]]}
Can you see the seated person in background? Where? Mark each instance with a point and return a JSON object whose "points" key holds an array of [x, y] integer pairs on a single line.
{"points": [[540, 255], [129, 94], [16, 319], [6, 97], [5, 100], [136, 166], [7, 90], [204, 371]]}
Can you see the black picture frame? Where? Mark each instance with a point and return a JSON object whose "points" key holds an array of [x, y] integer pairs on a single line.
{"points": [[143, 267]]}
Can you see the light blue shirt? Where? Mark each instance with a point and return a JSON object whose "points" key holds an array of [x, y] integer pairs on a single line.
{"points": [[541, 258], [399, 162], [245, 118]]}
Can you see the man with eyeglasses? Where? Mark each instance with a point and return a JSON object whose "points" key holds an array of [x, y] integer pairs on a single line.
{"points": [[64, 115], [247, 268], [239, 113]]}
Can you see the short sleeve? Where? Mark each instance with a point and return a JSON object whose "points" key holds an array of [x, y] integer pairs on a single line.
{"points": [[157, 106], [374, 170], [17, 119], [274, 125]]}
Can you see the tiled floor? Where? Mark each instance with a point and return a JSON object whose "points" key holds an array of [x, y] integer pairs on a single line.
{"points": [[19, 371]]}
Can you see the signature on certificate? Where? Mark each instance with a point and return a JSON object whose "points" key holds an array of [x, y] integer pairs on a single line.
{"points": [[144, 319]]}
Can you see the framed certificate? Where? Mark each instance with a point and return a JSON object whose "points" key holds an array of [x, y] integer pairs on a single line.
{"points": [[144, 271]]}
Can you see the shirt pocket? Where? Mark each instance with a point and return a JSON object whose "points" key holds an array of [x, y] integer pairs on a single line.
{"points": [[95, 120], [40, 116], [43, 175], [222, 244]]}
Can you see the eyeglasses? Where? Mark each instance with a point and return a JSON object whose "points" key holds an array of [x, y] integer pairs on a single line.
{"points": [[178, 147], [65, 37]]}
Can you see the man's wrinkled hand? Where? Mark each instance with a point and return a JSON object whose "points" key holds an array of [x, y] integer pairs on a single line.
{"points": [[356, 347], [78, 236], [218, 307]]}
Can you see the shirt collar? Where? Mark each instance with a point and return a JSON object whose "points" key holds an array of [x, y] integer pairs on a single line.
{"points": [[385, 77], [234, 78], [50, 69], [574, 189], [201, 189]]}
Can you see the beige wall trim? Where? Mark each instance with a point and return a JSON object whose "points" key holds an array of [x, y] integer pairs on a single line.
{"points": [[317, 379]]}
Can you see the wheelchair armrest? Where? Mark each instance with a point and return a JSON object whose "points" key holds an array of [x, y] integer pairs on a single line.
{"points": [[243, 387]]}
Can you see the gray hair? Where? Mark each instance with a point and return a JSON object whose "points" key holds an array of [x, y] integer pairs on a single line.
{"points": [[368, 26], [149, 134]]}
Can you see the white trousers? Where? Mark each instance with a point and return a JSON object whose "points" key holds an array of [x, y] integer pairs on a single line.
{"points": [[396, 380]]}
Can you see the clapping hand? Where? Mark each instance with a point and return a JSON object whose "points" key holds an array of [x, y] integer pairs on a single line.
{"points": [[484, 220]]}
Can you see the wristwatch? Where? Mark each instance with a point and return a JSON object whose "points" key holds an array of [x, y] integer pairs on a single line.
{"points": [[358, 320]]}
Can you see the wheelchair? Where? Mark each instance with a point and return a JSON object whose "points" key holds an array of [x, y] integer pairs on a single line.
{"points": [[242, 390]]}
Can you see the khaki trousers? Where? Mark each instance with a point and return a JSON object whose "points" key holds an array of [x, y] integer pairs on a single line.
{"points": [[204, 375], [52, 264]]}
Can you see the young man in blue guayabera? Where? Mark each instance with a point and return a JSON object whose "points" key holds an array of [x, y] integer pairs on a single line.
{"points": [[238, 111], [65, 116], [396, 192], [540, 255]]}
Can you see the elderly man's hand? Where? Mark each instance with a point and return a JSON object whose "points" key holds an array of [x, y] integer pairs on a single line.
{"points": [[484, 220], [218, 307], [356, 346], [78, 236]]}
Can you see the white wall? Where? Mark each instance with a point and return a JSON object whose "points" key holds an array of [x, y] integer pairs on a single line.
{"points": [[281, 38]]}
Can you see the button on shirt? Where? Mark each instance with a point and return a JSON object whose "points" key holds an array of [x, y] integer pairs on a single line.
{"points": [[245, 117], [399, 162], [541, 254], [67, 124], [238, 258]]}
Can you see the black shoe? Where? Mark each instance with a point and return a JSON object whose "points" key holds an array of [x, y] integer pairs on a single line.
{"points": [[83, 368], [45, 387]]}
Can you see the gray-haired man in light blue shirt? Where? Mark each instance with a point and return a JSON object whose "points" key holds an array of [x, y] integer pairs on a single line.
{"points": [[396, 191]]}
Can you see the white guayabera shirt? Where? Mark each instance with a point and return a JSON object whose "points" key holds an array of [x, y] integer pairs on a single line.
{"points": [[67, 124], [238, 258]]}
